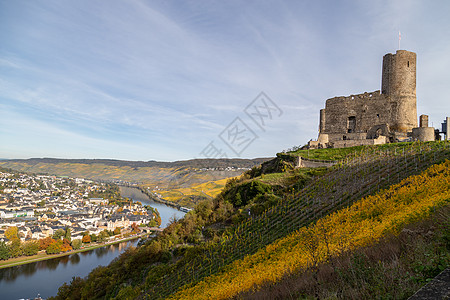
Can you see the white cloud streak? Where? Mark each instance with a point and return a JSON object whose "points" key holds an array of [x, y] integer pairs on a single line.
{"points": [[169, 76]]}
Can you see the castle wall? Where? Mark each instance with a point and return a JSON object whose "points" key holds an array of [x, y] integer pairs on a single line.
{"points": [[423, 121], [389, 113], [355, 114], [368, 142], [423, 134], [346, 136]]}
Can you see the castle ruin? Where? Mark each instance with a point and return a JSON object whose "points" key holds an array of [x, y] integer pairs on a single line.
{"points": [[377, 117]]}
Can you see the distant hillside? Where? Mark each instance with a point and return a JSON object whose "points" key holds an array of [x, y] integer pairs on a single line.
{"points": [[164, 176], [192, 163]]}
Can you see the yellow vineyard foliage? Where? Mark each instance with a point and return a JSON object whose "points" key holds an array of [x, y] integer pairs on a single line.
{"points": [[361, 224], [207, 189]]}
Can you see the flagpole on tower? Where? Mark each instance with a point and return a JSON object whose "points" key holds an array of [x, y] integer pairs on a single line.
{"points": [[399, 38]]}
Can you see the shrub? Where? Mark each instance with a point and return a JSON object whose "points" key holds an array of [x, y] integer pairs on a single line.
{"points": [[76, 244], [242, 194]]}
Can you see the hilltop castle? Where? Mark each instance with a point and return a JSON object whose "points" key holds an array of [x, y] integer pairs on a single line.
{"points": [[377, 117]]}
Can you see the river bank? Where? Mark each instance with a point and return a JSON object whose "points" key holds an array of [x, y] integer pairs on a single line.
{"points": [[43, 256]]}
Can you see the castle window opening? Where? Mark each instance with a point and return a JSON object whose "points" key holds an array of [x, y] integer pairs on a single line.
{"points": [[378, 115], [351, 124], [408, 63]]}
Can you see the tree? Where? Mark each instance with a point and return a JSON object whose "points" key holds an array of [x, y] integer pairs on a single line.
{"points": [[15, 248], [117, 231], [54, 248], [11, 233], [68, 234], [135, 228], [312, 247], [103, 236], [59, 234], [76, 244], [66, 245], [93, 237], [45, 242], [4, 251], [158, 220], [72, 290], [30, 248], [86, 238]]}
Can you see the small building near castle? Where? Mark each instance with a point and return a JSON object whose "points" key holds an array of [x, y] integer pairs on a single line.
{"points": [[378, 117]]}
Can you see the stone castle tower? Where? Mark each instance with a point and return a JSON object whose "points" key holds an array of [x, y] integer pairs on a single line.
{"points": [[398, 83], [375, 117]]}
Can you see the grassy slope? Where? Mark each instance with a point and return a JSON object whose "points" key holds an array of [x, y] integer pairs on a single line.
{"points": [[341, 153]]}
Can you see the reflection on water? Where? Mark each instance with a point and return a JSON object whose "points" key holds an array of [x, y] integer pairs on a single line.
{"points": [[9, 274], [74, 259], [53, 263], [64, 260], [87, 253], [101, 251], [45, 277]]}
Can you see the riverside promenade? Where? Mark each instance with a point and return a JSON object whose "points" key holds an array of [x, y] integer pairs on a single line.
{"points": [[43, 256]]}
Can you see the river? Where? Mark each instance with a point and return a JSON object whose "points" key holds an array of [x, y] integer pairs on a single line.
{"points": [[166, 212], [45, 277]]}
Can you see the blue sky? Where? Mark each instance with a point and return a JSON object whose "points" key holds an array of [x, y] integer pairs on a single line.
{"points": [[161, 80]]}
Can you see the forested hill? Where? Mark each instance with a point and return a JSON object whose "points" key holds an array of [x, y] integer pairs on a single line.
{"points": [[193, 163]]}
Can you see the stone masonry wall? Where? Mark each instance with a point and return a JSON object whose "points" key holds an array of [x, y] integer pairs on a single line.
{"points": [[368, 110], [387, 113]]}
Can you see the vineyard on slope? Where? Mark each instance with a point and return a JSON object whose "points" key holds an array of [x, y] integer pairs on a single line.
{"points": [[365, 173], [352, 227]]}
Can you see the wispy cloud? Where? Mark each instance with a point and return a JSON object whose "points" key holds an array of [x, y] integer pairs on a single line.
{"points": [[169, 76]]}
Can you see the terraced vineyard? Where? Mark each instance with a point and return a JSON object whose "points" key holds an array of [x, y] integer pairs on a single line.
{"points": [[208, 189], [363, 173]]}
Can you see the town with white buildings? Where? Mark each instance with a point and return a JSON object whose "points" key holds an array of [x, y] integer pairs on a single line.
{"points": [[39, 205]]}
